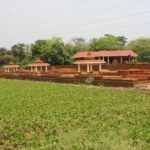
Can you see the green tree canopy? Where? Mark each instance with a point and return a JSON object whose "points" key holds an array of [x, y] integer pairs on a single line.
{"points": [[142, 47], [108, 42], [6, 59], [18, 51], [3, 51], [39, 46], [76, 44], [55, 51], [58, 56], [5, 56], [51, 51], [42, 47]]}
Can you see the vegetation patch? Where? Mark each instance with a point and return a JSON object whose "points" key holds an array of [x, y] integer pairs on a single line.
{"points": [[38, 115], [89, 81]]}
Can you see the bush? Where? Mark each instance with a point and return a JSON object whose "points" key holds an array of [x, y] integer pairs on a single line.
{"points": [[89, 81]]}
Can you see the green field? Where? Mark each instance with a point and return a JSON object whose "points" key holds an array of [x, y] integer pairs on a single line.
{"points": [[45, 116]]}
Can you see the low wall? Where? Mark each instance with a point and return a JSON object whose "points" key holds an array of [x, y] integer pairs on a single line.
{"points": [[97, 80], [73, 68], [126, 66], [68, 74]]}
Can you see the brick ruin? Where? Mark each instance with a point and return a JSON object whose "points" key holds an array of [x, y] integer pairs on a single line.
{"points": [[115, 75]]}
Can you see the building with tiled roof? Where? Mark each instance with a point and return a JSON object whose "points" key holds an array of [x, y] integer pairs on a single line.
{"points": [[116, 56]]}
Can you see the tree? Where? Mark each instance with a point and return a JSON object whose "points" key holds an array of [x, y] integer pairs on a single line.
{"points": [[77, 44], [18, 51], [38, 46], [3, 51], [42, 47], [142, 47], [78, 41], [58, 56], [51, 51], [108, 42], [5, 56]]}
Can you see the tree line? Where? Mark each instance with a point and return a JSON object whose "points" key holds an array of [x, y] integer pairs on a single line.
{"points": [[56, 52]]}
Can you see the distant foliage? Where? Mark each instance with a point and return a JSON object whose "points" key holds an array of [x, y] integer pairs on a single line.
{"points": [[21, 53], [3, 51], [56, 52], [142, 48], [18, 51], [58, 56], [108, 42], [5, 56], [51, 51]]}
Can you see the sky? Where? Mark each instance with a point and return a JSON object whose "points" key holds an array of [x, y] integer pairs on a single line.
{"points": [[25, 21]]}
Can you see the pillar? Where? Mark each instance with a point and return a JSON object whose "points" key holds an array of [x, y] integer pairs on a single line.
{"points": [[108, 60], [121, 60], [91, 68], [129, 60], [100, 67], [8, 70], [41, 68], [46, 68], [36, 70], [79, 67], [88, 68], [133, 59], [31, 69]]}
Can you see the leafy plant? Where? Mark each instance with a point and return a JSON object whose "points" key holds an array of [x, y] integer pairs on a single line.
{"points": [[89, 81], [43, 116]]}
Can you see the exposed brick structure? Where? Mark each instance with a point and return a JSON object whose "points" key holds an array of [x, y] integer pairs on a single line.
{"points": [[73, 68], [125, 76]]}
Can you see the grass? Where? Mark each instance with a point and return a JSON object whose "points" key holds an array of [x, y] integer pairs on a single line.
{"points": [[45, 116]]}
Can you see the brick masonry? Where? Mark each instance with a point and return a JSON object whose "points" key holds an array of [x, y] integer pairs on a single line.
{"points": [[120, 75]]}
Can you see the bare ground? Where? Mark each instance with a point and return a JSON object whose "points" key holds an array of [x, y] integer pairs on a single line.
{"points": [[143, 88]]}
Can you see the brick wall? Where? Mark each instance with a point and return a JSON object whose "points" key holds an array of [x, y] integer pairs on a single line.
{"points": [[126, 66], [98, 80], [73, 68], [61, 74]]}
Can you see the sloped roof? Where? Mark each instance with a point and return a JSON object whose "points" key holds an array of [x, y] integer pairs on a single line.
{"points": [[38, 62], [105, 53], [11, 65], [89, 62]]}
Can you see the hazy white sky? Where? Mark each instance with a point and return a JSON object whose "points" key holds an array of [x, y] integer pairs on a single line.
{"points": [[29, 20]]}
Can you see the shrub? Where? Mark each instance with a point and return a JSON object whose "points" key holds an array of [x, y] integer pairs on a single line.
{"points": [[89, 81]]}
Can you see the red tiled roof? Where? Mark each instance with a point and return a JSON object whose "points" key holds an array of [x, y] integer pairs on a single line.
{"points": [[105, 53], [38, 62], [11, 65], [89, 61]]}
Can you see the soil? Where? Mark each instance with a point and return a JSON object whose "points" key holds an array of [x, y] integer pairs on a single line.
{"points": [[143, 88]]}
